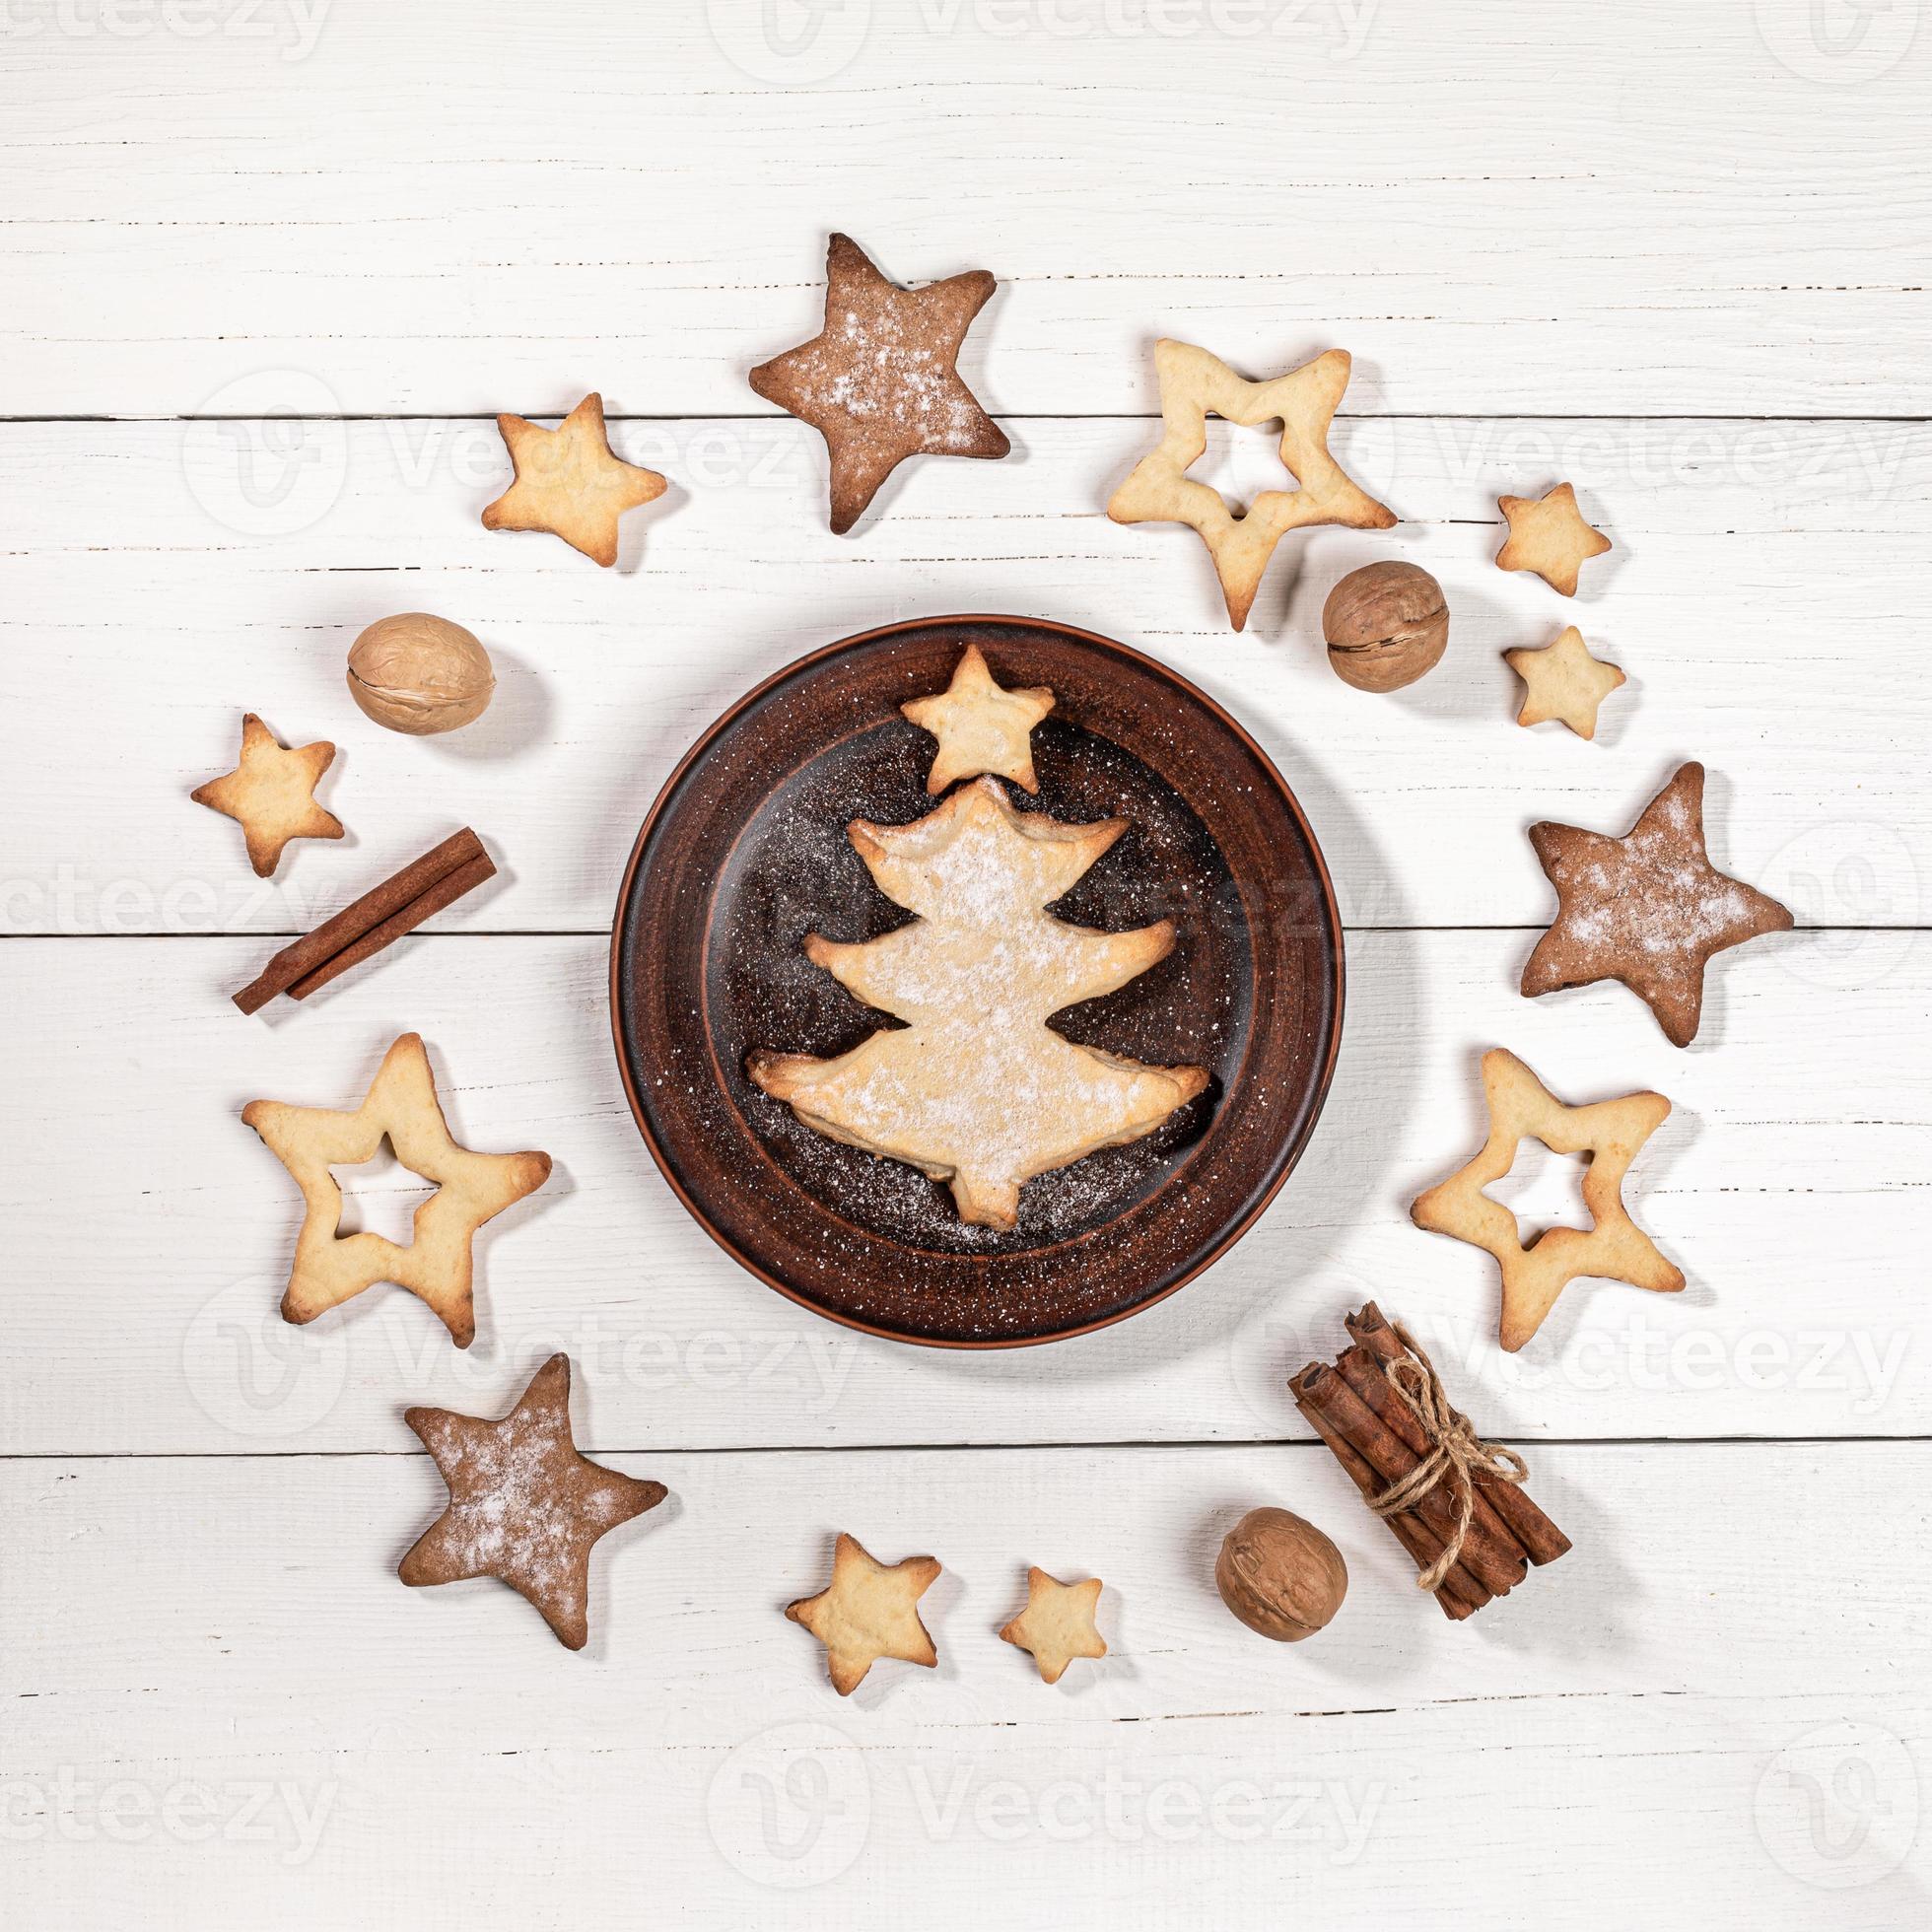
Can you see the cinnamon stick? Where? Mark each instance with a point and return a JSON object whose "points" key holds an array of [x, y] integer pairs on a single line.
{"points": [[381, 915], [1459, 1593], [1541, 1540]]}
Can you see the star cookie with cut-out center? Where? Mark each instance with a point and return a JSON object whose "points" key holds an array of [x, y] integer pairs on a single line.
{"points": [[981, 726], [525, 1507], [1648, 908], [569, 484], [400, 1106], [1547, 534], [1610, 1134], [1194, 386], [868, 1611], [271, 794], [879, 381], [1057, 1625], [1562, 681]]}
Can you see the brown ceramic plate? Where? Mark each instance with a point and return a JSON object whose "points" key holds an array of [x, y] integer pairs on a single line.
{"points": [[745, 853]]}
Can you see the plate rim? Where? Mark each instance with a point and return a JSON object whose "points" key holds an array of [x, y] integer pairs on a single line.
{"points": [[1292, 1149]]}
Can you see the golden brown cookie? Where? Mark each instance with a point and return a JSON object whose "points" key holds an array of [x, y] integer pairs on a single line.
{"points": [[980, 725], [879, 381], [1057, 1625], [525, 1507], [1648, 908], [1194, 386], [868, 1611], [569, 484], [1562, 681], [1547, 534], [975, 1089], [1611, 1133], [271, 794], [472, 1187]]}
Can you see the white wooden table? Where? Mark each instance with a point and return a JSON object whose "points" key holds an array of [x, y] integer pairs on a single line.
{"points": [[269, 269]]}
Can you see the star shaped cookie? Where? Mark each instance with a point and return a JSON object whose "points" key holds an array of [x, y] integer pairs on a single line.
{"points": [[525, 1507], [981, 726], [401, 1106], [569, 484], [1610, 1132], [879, 382], [1562, 681], [1547, 534], [1194, 386], [868, 1611], [1057, 1625], [271, 794], [1648, 908]]}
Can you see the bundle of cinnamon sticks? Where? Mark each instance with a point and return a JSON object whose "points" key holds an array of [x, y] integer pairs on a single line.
{"points": [[377, 919], [1381, 1437]]}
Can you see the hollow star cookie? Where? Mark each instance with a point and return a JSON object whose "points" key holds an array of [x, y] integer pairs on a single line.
{"points": [[271, 794], [975, 1089], [401, 1105], [878, 381], [568, 482], [1057, 1625], [1547, 534], [1610, 1132], [525, 1507], [1648, 908], [1194, 386], [1562, 681], [981, 726], [868, 1611]]}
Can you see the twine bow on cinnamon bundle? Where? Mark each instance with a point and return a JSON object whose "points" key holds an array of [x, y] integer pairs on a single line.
{"points": [[1453, 1501]]}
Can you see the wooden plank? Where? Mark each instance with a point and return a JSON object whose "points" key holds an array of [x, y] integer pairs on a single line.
{"points": [[1676, 1683], [537, 204], [150, 1233], [159, 612]]}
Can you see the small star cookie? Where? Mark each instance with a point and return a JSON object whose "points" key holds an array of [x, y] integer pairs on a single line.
{"points": [[879, 381], [271, 794], [1610, 1132], [1193, 386], [868, 1611], [980, 725], [1547, 534], [472, 1187], [569, 484], [1057, 1625], [525, 1507], [1562, 681], [1648, 908]]}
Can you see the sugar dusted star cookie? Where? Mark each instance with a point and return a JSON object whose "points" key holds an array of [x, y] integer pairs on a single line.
{"points": [[1648, 908], [1547, 535], [980, 725], [1057, 1625], [868, 1611], [879, 381], [271, 795], [569, 484], [1563, 682], [525, 1507]]}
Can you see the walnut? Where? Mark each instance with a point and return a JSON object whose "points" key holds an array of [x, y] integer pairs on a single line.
{"points": [[1386, 626], [420, 675], [1281, 1575]]}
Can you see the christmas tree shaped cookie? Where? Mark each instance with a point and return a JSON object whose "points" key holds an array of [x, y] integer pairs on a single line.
{"points": [[975, 1089]]}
